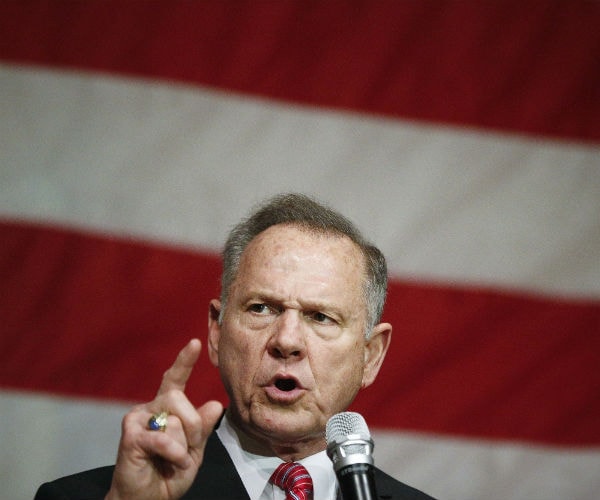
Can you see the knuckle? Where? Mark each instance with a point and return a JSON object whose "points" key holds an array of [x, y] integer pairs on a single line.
{"points": [[129, 420], [167, 375], [130, 429], [171, 396], [168, 379]]}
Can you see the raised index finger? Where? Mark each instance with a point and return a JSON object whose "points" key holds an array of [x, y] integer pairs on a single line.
{"points": [[178, 374]]}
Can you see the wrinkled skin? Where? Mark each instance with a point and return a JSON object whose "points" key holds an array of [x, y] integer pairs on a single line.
{"points": [[163, 465], [295, 311], [291, 352]]}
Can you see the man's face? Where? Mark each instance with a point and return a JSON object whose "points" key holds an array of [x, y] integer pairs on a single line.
{"points": [[291, 348]]}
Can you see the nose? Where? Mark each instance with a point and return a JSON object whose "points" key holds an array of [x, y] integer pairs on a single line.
{"points": [[287, 339]]}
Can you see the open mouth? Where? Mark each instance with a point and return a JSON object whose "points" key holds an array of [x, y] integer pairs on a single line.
{"points": [[285, 384], [284, 389]]}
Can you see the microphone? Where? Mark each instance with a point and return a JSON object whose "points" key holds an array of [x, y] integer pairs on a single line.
{"points": [[350, 448]]}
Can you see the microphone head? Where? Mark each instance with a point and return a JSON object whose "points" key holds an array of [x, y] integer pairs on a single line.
{"points": [[348, 440], [341, 425]]}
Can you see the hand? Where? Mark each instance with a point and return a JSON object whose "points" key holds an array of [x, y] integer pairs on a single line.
{"points": [[163, 465]]}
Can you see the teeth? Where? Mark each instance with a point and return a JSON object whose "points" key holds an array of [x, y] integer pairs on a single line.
{"points": [[285, 384]]}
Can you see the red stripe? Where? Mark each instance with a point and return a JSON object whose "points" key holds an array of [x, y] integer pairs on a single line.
{"points": [[496, 365], [102, 317], [530, 66], [99, 317]]}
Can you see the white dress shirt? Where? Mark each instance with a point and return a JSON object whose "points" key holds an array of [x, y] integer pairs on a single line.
{"points": [[255, 470]]}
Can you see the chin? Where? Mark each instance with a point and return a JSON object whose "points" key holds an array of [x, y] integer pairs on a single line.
{"points": [[286, 424]]}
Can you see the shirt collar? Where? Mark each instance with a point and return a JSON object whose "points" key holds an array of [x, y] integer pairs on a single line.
{"points": [[255, 470]]}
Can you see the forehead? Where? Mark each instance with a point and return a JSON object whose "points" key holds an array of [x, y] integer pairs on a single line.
{"points": [[327, 258]]}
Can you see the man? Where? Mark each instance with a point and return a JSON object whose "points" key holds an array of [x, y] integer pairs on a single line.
{"points": [[295, 335]]}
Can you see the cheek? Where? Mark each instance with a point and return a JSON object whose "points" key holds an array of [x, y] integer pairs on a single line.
{"points": [[339, 373], [230, 347], [239, 357]]}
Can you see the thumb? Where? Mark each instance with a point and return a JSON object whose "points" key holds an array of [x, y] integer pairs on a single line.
{"points": [[210, 413]]}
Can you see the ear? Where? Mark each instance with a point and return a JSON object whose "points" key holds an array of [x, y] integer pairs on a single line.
{"points": [[375, 350], [214, 331]]}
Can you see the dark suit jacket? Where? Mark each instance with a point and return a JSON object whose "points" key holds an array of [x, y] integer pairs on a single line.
{"points": [[216, 479]]}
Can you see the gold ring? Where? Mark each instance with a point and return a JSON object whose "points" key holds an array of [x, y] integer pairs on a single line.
{"points": [[158, 421]]}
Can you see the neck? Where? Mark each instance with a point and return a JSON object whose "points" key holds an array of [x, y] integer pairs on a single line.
{"points": [[267, 446]]}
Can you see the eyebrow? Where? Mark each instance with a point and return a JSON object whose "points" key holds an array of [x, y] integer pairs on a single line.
{"points": [[305, 304]]}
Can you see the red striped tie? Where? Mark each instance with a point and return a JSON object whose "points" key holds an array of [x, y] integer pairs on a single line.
{"points": [[294, 479]]}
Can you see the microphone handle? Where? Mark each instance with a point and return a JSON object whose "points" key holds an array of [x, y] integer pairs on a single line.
{"points": [[357, 482]]}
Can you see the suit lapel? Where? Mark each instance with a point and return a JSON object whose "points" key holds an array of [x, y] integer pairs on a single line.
{"points": [[217, 477]]}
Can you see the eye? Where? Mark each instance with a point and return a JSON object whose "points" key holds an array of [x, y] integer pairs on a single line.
{"points": [[321, 318], [259, 308]]}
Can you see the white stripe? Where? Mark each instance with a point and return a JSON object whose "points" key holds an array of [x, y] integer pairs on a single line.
{"points": [[181, 164], [44, 438], [464, 469]]}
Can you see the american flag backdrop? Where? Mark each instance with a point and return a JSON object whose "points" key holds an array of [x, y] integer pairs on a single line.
{"points": [[462, 136]]}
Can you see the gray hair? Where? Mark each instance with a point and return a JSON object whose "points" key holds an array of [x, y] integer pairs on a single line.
{"points": [[304, 212]]}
